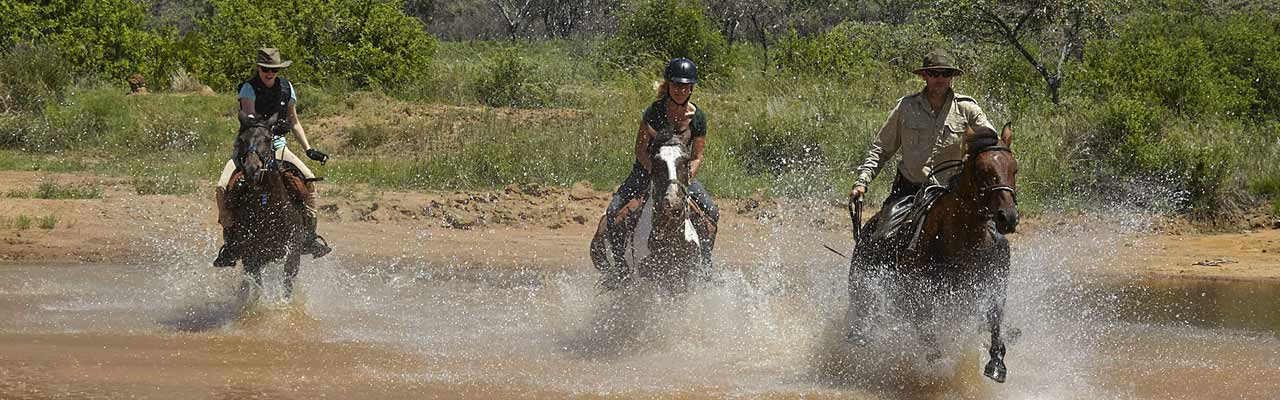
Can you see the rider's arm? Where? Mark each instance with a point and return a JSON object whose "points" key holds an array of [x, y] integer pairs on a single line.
{"points": [[297, 127], [643, 136], [695, 159], [247, 106], [883, 148]]}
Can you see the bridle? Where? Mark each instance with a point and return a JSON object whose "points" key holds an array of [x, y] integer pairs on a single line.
{"points": [[985, 191]]}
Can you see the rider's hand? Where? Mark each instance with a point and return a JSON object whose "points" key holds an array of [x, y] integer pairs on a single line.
{"points": [[855, 194], [317, 155], [278, 143]]}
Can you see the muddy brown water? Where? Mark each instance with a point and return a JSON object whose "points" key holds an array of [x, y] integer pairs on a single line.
{"points": [[417, 330]]}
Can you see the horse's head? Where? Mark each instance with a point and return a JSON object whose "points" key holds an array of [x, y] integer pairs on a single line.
{"points": [[994, 175], [254, 152], [670, 181]]}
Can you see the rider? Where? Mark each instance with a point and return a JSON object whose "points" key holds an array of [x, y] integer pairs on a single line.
{"points": [[671, 115], [927, 127], [264, 95]]}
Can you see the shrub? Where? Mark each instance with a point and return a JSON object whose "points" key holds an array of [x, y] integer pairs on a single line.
{"points": [[165, 184], [856, 50], [656, 31], [511, 81], [31, 78], [770, 145], [107, 38], [22, 222], [48, 222], [361, 43], [1194, 66]]}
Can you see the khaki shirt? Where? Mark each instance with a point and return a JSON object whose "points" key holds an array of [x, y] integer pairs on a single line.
{"points": [[924, 138]]}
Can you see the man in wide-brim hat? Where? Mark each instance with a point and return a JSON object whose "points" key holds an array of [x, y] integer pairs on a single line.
{"points": [[926, 127]]}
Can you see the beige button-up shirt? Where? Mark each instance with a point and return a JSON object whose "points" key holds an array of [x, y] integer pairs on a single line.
{"points": [[924, 137]]}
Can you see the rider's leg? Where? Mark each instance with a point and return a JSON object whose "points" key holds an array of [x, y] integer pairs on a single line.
{"points": [[313, 244], [229, 252], [617, 229], [699, 194]]}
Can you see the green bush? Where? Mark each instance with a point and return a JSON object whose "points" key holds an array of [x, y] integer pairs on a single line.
{"points": [[1193, 65], [511, 81], [164, 184], [769, 144], [54, 191], [854, 50], [365, 44], [106, 38], [656, 31], [22, 222], [48, 222], [31, 78]]}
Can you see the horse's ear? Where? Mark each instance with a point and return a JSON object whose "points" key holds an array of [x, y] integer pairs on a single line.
{"points": [[272, 121], [245, 119], [1006, 134]]}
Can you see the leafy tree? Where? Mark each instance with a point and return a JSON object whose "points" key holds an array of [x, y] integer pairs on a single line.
{"points": [[364, 43], [107, 38], [666, 29], [1060, 27]]}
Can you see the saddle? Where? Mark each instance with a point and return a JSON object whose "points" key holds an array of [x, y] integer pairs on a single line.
{"points": [[300, 190], [896, 228]]}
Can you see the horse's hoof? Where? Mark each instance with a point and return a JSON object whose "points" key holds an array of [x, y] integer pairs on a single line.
{"points": [[995, 370]]}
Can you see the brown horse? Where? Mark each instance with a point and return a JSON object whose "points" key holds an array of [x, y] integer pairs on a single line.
{"points": [[264, 193], [668, 240], [958, 257]]}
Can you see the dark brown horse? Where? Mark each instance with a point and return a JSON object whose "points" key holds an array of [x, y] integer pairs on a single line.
{"points": [[667, 244], [268, 211], [958, 257]]}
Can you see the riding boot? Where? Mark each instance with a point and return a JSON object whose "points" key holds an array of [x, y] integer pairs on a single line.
{"points": [[618, 273], [230, 251], [314, 244], [224, 214]]}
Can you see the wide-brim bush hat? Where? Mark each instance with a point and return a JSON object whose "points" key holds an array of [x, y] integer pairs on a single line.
{"points": [[939, 60], [269, 57]]}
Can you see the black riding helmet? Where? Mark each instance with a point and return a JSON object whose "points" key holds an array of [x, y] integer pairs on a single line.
{"points": [[681, 70]]}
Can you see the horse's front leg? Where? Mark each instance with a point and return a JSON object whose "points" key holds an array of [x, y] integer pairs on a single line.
{"points": [[862, 303], [291, 272], [995, 368]]}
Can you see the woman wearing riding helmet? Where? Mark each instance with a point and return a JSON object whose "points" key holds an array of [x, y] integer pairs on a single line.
{"points": [[265, 95], [671, 115]]}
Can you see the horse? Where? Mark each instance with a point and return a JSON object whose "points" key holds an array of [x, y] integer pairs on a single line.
{"points": [[268, 211], [958, 254], [672, 238]]}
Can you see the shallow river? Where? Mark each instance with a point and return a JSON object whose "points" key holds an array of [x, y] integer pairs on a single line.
{"points": [[412, 330]]}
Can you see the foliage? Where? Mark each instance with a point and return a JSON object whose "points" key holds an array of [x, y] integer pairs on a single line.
{"points": [[656, 31], [363, 43], [512, 81], [54, 191], [48, 222], [93, 37], [1047, 33], [164, 184], [31, 78], [856, 50], [1192, 64]]}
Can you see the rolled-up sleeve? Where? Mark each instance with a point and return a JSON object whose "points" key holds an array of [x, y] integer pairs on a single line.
{"points": [[883, 148]]}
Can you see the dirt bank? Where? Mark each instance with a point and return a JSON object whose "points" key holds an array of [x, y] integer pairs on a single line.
{"points": [[519, 226]]}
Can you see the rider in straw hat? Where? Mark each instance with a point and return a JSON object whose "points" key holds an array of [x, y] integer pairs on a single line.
{"points": [[264, 95], [926, 127]]}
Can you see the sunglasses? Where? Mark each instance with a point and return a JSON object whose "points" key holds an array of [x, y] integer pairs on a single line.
{"points": [[272, 70], [939, 73]]}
